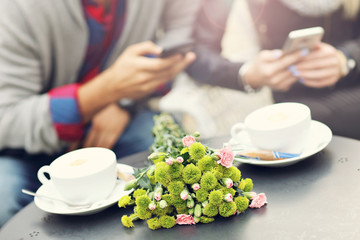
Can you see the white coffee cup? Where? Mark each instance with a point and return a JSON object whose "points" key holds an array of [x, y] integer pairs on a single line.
{"points": [[282, 127], [83, 176]]}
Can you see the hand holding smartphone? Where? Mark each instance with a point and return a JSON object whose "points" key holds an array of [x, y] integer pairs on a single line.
{"points": [[306, 38], [182, 49]]}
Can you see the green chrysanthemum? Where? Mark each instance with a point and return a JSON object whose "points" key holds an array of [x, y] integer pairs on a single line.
{"points": [[211, 210], [191, 174], [168, 198], [177, 179], [127, 221], [170, 210], [176, 187], [219, 175], [242, 184], [142, 201], [248, 185], [139, 192], [175, 169], [167, 221], [204, 219], [124, 201], [160, 211], [154, 223], [216, 197], [228, 190], [182, 210], [233, 173], [206, 164], [220, 168], [162, 174], [208, 181], [143, 213], [178, 203], [197, 151], [219, 186], [242, 203], [227, 209], [201, 195]]}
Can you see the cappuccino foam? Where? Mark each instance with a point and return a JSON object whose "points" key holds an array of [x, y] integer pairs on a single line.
{"points": [[276, 116], [79, 163]]}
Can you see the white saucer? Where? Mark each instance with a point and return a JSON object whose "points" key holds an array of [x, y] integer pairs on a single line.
{"points": [[57, 207], [319, 137]]}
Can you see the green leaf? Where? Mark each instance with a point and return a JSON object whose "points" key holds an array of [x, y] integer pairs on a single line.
{"points": [[184, 150], [240, 192], [144, 182]]}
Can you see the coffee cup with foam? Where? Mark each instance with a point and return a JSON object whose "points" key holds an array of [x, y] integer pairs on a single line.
{"points": [[282, 127], [83, 176]]}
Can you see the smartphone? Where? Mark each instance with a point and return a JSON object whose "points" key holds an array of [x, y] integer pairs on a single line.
{"points": [[182, 48], [303, 38]]}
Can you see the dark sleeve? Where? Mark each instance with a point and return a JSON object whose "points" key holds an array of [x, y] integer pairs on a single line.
{"points": [[210, 67], [352, 50]]}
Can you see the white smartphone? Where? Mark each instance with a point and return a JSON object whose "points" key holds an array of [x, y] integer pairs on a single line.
{"points": [[303, 38]]}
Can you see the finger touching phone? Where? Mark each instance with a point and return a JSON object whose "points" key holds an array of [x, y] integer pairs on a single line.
{"points": [[306, 38]]}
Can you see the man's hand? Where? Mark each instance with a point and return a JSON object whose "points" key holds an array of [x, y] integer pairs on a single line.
{"points": [[107, 127], [134, 75]]}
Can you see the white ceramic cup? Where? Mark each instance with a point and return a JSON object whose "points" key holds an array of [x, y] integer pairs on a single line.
{"points": [[282, 127], [82, 176]]}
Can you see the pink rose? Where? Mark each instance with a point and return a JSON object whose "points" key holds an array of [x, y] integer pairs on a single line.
{"points": [[228, 182], [188, 140], [183, 219], [179, 159], [252, 195], [258, 201], [195, 186], [226, 157], [169, 161], [152, 206], [157, 196], [184, 195], [228, 197]]}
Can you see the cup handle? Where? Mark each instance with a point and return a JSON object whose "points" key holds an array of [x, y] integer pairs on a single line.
{"points": [[41, 176], [238, 127]]}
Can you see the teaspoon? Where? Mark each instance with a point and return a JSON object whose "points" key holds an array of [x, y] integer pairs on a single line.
{"points": [[73, 206]]}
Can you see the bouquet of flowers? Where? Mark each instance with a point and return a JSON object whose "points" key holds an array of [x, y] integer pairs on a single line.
{"points": [[187, 182]]}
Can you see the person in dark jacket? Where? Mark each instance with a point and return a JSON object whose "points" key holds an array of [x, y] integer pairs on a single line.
{"points": [[327, 79]]}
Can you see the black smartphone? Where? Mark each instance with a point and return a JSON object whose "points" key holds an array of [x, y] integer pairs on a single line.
{"points": [[182, 48]]}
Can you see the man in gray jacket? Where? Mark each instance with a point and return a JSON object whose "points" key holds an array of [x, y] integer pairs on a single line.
{"points": [[64, 68]]}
